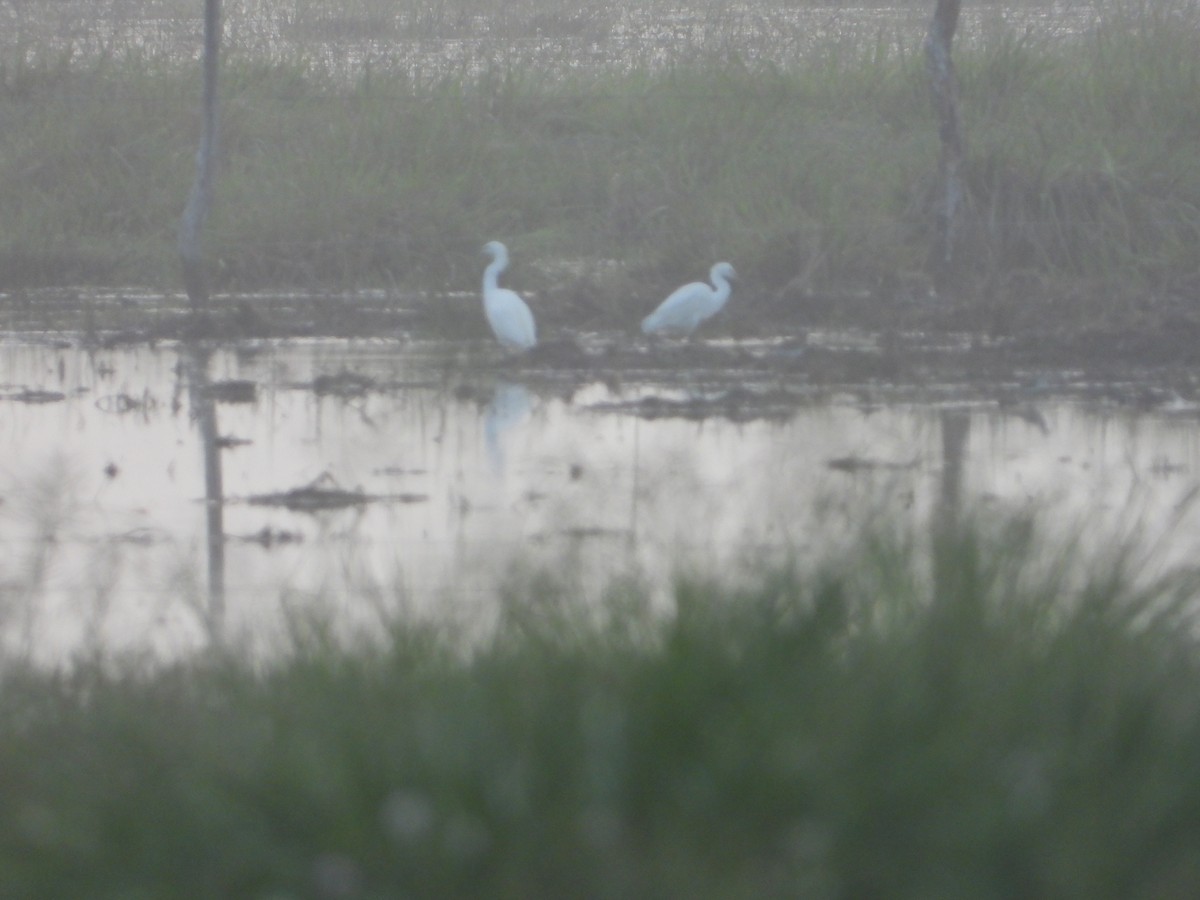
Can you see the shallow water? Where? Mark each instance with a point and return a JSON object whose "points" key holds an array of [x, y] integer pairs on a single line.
{"points": [[460, 477]]}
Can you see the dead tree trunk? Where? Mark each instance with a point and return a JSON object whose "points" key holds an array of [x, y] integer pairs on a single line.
{"points": [[943, 84], [191, 228], [196, 281]]}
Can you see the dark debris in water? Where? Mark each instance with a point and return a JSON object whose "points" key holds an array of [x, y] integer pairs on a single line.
{"points": [[324, 494], [1026, 412], [560, 353], [737, 404], [36, 396], [312, 499], [268, 537], [854, 464], [343, 384], [399, 470], [592, 532], [120, 404], [238, 390], [141, 537]]}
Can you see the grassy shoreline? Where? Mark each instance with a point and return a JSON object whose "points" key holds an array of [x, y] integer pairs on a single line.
{"points": [[994, 723], [1081, 168]]}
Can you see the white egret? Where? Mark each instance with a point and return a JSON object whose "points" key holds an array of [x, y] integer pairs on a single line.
{"points": [[691, 304], [510, 318]]}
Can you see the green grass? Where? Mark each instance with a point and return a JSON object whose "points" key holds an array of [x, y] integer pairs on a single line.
{"points": [[1081, 169], [1004, 722]]}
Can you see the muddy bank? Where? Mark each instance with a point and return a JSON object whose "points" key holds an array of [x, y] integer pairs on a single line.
{"points": [[909, 337]]}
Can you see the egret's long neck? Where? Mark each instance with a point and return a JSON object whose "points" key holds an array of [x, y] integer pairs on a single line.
{"points": [[492, 273], [721, 283]]}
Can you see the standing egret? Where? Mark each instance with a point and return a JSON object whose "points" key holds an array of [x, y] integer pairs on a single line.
{"points": [[691, 304], [510, 318]]}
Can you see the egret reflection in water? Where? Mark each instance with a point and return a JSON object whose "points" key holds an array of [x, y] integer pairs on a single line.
{"points": [[509, 407]]}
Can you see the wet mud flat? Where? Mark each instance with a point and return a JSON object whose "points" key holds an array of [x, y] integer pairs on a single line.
{"points": [[760, 357]]}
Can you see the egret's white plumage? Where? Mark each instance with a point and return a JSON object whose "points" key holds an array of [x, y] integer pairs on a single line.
{"points": [[691, 304], [510, 318]]}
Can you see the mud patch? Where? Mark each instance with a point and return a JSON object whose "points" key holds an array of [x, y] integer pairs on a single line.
{"points": [[752, 360], [324, 494], [35, 396]]}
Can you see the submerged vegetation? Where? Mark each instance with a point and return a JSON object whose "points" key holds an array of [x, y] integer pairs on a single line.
{"points": [[1005, 722], [812, 174]]}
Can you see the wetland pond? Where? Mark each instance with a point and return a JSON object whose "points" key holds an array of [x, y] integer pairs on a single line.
{"points": [[364, 477]]}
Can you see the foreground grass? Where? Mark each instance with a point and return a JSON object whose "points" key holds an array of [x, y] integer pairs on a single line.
{"points": [[996, 725], [1081, 170]]}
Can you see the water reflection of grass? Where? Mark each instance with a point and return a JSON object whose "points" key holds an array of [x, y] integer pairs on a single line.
{"points": [[991, 725], [811, 173]]}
